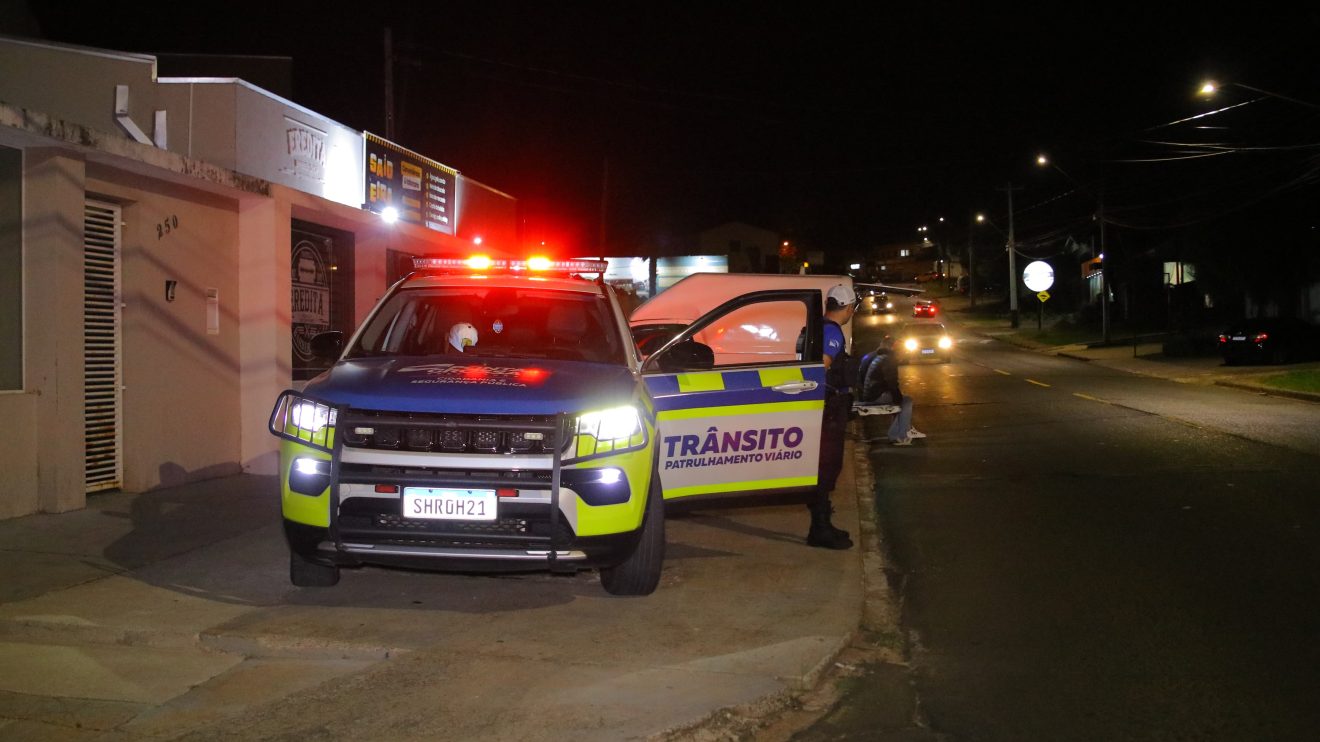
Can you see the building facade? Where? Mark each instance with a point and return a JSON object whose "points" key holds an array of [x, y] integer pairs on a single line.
{"points": [[167, 249]]}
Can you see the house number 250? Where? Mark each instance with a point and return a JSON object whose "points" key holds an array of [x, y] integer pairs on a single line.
{"points": [[167, 225]]}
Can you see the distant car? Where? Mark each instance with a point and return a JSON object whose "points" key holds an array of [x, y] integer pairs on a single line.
{"points": [[877, 304], [924, 308], [1270, 340], [924, 341]]}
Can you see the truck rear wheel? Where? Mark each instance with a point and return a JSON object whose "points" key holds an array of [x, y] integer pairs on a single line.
{"points": [[305, 573], [639, 574]]}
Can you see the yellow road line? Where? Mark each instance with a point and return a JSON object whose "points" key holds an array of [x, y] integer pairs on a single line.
{"points": [[1089, 397], [1002, 372], [1037, 383]]}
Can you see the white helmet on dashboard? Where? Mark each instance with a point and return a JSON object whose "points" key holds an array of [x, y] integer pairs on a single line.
{"points": [[462, 335]]}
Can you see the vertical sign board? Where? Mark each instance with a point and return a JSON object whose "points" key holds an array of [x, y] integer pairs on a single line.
{"points": [[321, 268], [421, 189], [312, 257]]}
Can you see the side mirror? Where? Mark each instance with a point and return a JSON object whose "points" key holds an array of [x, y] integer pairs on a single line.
{"points": [[688, 355], [328, 345]]}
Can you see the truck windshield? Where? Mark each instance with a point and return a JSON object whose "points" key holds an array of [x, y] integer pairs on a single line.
{"points": [[504, 323]]}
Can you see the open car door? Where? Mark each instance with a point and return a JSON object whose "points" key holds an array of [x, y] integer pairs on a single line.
{"points": [[738, 404]]}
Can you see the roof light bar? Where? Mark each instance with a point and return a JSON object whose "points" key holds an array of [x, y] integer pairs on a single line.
{"points": [[535, 264]]}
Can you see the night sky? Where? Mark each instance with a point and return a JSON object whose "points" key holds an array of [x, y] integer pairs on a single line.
{"points": [[841, 126]]}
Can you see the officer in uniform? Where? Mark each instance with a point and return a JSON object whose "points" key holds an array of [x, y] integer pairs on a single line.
{"points": [[840, 304]]}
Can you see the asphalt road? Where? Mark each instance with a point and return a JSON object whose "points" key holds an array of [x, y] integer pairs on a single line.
{"points": [[1088, 554]]}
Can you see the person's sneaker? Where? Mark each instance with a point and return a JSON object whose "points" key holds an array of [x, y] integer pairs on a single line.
{"points": [[914, 433], [904, 441]]}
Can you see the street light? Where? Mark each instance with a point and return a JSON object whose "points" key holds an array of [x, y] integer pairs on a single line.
{"points": [[1210, 87], [940, 246], [971, 258], [1043, 160], [942, 252]]}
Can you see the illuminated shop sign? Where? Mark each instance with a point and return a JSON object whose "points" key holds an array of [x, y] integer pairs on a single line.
{"points": [[419, 188]]}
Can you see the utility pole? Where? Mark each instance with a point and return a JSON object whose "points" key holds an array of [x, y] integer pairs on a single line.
{"points": [[604, 201], [389, 85], [1104, 267], [971, 260], [1012, 259]]}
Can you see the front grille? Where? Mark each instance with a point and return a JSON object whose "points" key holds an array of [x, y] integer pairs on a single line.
{"points": [[392, 431], [434, 477], [379, 521]]}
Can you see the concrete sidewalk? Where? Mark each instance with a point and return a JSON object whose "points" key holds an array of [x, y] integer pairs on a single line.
{"points": [[168, 614]]}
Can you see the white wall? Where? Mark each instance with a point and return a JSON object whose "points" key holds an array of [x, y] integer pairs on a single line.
{"points": [[287, 144], [181, 383], [77, 84], [53, 324]]}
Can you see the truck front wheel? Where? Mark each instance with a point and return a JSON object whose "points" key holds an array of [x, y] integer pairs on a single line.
{"points": [[639, 574], [305, 573]]}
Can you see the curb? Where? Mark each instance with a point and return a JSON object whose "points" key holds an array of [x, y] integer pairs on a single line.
{"points": [[877, 613], [1269, 390], [56, 632]]}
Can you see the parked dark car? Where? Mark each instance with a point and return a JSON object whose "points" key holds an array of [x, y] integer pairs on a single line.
{"points": [[1270, 340]]}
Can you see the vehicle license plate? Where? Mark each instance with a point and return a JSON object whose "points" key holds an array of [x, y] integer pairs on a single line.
{"points": [[447, 504], [927, 351], [1239, 337]]}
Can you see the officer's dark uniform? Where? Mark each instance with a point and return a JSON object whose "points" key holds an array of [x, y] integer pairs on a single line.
{"points": [[838, 403]]}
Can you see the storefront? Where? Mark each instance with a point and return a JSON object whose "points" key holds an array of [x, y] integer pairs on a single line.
{"points": [[167, 249]]}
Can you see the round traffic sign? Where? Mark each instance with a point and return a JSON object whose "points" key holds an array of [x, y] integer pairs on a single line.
{"points": [[1038, 275]]}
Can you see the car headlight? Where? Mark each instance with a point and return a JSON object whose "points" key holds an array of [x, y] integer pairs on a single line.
{"points": [[946, 342], [910, 344]]}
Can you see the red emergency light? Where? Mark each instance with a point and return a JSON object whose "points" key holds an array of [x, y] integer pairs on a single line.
{"points": [[485, 263]]}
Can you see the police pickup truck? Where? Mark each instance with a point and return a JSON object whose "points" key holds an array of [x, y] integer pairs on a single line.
{"points": [[498, 415]]}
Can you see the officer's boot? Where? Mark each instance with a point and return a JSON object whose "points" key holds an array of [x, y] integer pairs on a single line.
{"points": [[823, 533], [829, 515]]}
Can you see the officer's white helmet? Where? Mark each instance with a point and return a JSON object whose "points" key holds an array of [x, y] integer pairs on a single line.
{"points": [[462, 335]]}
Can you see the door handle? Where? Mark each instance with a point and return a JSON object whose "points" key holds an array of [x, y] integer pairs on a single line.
{"points": [[795, 387]]}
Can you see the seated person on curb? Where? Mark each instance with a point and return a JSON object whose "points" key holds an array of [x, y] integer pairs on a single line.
{"points": [[879, 374]]}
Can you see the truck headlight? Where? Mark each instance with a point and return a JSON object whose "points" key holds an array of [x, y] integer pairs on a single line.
{"points": [[946, 342], [309, 416], [910, 344], [607, 431], [302, 420], [611, 424]]}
